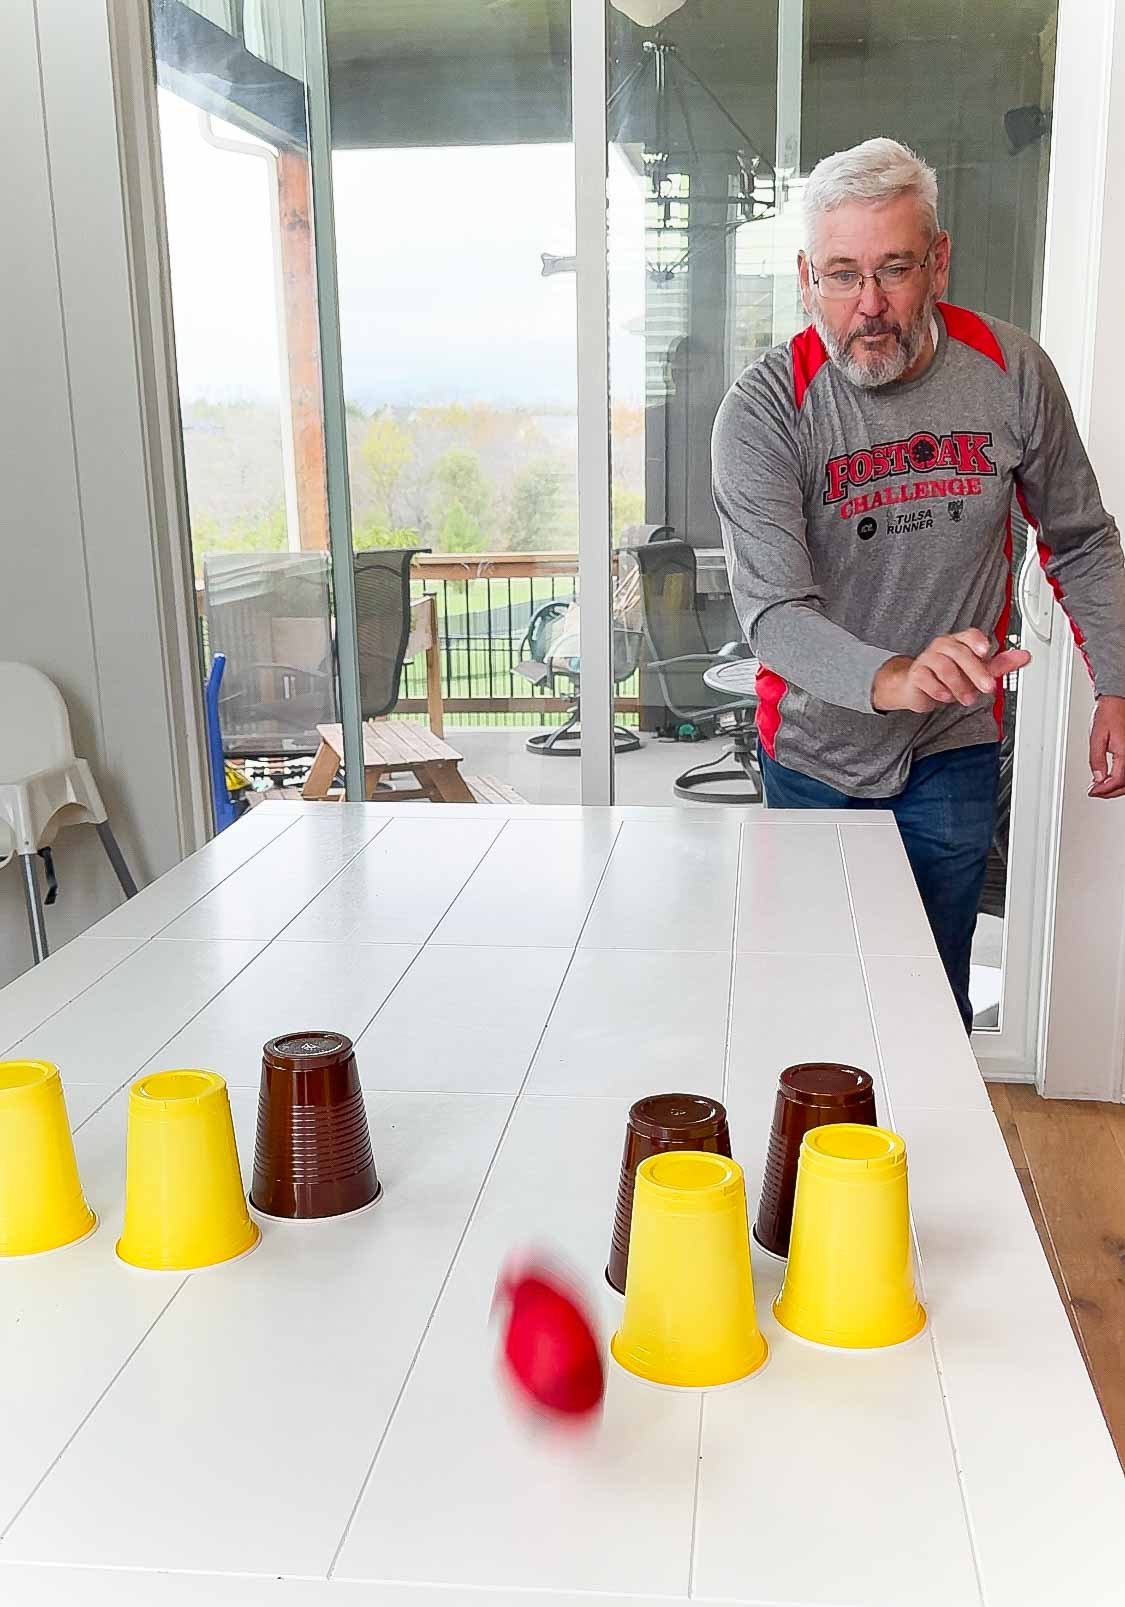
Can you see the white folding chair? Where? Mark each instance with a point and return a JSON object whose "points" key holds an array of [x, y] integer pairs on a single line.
{"points": [[43, 786]]}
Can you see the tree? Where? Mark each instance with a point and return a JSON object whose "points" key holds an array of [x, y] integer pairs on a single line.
{"points": [[387, 451], [534, 508], [628, 509], [463, 502], [370, 533]]}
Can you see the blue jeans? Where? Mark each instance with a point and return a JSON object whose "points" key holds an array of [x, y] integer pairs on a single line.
{"points": [[946, 815]]}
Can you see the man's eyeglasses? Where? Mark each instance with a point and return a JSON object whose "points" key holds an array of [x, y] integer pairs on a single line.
{"points": [[847, 284]]}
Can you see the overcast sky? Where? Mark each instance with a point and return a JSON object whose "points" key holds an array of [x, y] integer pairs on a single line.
{"points": [[441, 293]]}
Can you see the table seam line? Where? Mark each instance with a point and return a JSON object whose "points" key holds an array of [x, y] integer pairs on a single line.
{"points": [[695, 1499], [45, 1475], [332, 881], [932, 1338], [734, 953], [133, 1076], [234, 978], [421, 948], [267, 944], [276, 838], [470, 1219], [139, 944], [208, 938]]}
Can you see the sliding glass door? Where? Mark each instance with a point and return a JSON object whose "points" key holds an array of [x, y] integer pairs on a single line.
{"points": [[458, 289], [715, 116]]}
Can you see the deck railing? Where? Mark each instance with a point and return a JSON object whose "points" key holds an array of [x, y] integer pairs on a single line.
{"points": [[484, 603]]}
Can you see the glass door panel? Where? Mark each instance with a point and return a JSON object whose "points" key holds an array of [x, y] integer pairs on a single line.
{"points": [[452, 171]]}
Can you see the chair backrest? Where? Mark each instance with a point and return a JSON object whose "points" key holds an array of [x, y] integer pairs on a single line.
{"points": [[544, 626], [34, 724], [225, 812], [676, 622], [382, 610], [270, 615]]}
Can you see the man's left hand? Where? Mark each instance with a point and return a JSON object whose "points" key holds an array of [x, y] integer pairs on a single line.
{"points": [[1107, 748]]}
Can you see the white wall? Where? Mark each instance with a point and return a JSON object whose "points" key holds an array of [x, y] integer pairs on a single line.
{"points": [[81, 592]]}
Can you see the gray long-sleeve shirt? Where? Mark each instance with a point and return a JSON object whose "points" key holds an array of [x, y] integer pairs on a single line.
{"points": [[860, 524]]}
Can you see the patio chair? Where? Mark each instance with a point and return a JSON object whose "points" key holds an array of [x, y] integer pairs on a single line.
{"points": [[224, 807], [551, 650], [684, 635], [382, 610], [270, 616]]}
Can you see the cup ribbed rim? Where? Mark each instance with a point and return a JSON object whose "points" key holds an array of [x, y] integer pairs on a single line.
{"points": [[44, 1071], [875, 1152], [663, 1194], [148, 1094]]}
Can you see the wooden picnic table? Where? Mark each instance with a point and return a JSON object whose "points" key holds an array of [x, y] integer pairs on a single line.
{"points": [[391, 746]]}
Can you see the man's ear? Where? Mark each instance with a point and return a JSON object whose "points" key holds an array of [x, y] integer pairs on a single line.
{"points": [[942, 249], [805, 278]]}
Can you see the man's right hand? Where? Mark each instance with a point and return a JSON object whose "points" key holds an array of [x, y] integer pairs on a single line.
{"points": [[953, 669]]}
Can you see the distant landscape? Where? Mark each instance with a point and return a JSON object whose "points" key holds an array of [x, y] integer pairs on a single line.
{"points": [[455, 478]]}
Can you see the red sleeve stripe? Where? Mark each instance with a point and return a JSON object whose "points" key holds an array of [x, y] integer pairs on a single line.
{"points": [[971, 330], [809, 357], [770, 689]]}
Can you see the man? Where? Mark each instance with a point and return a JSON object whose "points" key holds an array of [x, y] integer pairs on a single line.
{"points": [[864, 475]]}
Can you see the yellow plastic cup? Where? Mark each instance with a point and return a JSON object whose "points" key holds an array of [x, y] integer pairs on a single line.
{"points": [[185, 1206], [689, 1316], [42, 1206], [849, 1281]]}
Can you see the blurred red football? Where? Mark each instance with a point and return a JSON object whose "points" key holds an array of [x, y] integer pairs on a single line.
{"points": [[550, 1351]]}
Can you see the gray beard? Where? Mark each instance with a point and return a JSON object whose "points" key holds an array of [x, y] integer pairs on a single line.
{"points": [[878, 371]]}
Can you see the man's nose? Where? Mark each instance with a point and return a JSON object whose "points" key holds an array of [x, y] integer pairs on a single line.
{"points": [[873, 302]]}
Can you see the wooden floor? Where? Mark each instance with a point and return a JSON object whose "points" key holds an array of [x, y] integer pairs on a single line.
{"points": [[1069, 1156]]}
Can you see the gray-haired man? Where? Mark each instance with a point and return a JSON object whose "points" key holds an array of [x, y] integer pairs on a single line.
{"points": [[864, 476]]}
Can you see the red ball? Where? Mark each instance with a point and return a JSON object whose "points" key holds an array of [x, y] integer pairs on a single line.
{"points": [[550, 1349]]}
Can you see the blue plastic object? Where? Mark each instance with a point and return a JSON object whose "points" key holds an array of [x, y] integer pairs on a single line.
{"points": [[226, 811]]}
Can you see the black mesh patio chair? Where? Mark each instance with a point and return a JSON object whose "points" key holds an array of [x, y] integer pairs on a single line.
{"points": [[684, 635], [382, 611]]}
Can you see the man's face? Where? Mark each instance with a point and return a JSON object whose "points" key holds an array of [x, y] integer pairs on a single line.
{"points": [[874, 333]]}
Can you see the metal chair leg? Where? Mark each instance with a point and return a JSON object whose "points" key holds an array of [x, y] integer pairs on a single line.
{"points": [[35, 921], [117, 859]]}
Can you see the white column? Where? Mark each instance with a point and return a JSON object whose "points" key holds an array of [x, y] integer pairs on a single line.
{"points": [[588, 47], [1083, 1025]]}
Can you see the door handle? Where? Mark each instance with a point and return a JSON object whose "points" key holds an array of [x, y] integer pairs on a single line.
{"points": [[1036, 604]]}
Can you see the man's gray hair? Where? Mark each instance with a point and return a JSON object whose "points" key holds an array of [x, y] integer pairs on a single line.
{"points": [[877, 170]]}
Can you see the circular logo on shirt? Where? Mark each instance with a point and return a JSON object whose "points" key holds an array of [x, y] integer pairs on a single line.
{"points": [[866, 528]]}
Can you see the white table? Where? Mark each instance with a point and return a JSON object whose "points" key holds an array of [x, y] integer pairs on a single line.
{"points": [[320, 1423]]}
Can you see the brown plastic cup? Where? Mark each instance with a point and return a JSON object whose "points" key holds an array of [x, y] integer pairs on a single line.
{"points": [[814, 1094], [657, 1123], [312, 1156]]}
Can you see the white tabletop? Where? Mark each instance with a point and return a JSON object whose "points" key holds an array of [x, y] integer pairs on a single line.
{"points": [[321, 1422]]}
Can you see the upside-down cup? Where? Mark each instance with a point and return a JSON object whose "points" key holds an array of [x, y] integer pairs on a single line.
{"points": [[658, 1123], [312, 1156], [689, 1318], [849, 1281], [42, 1206], [185, 1207], [809, 1095]]}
